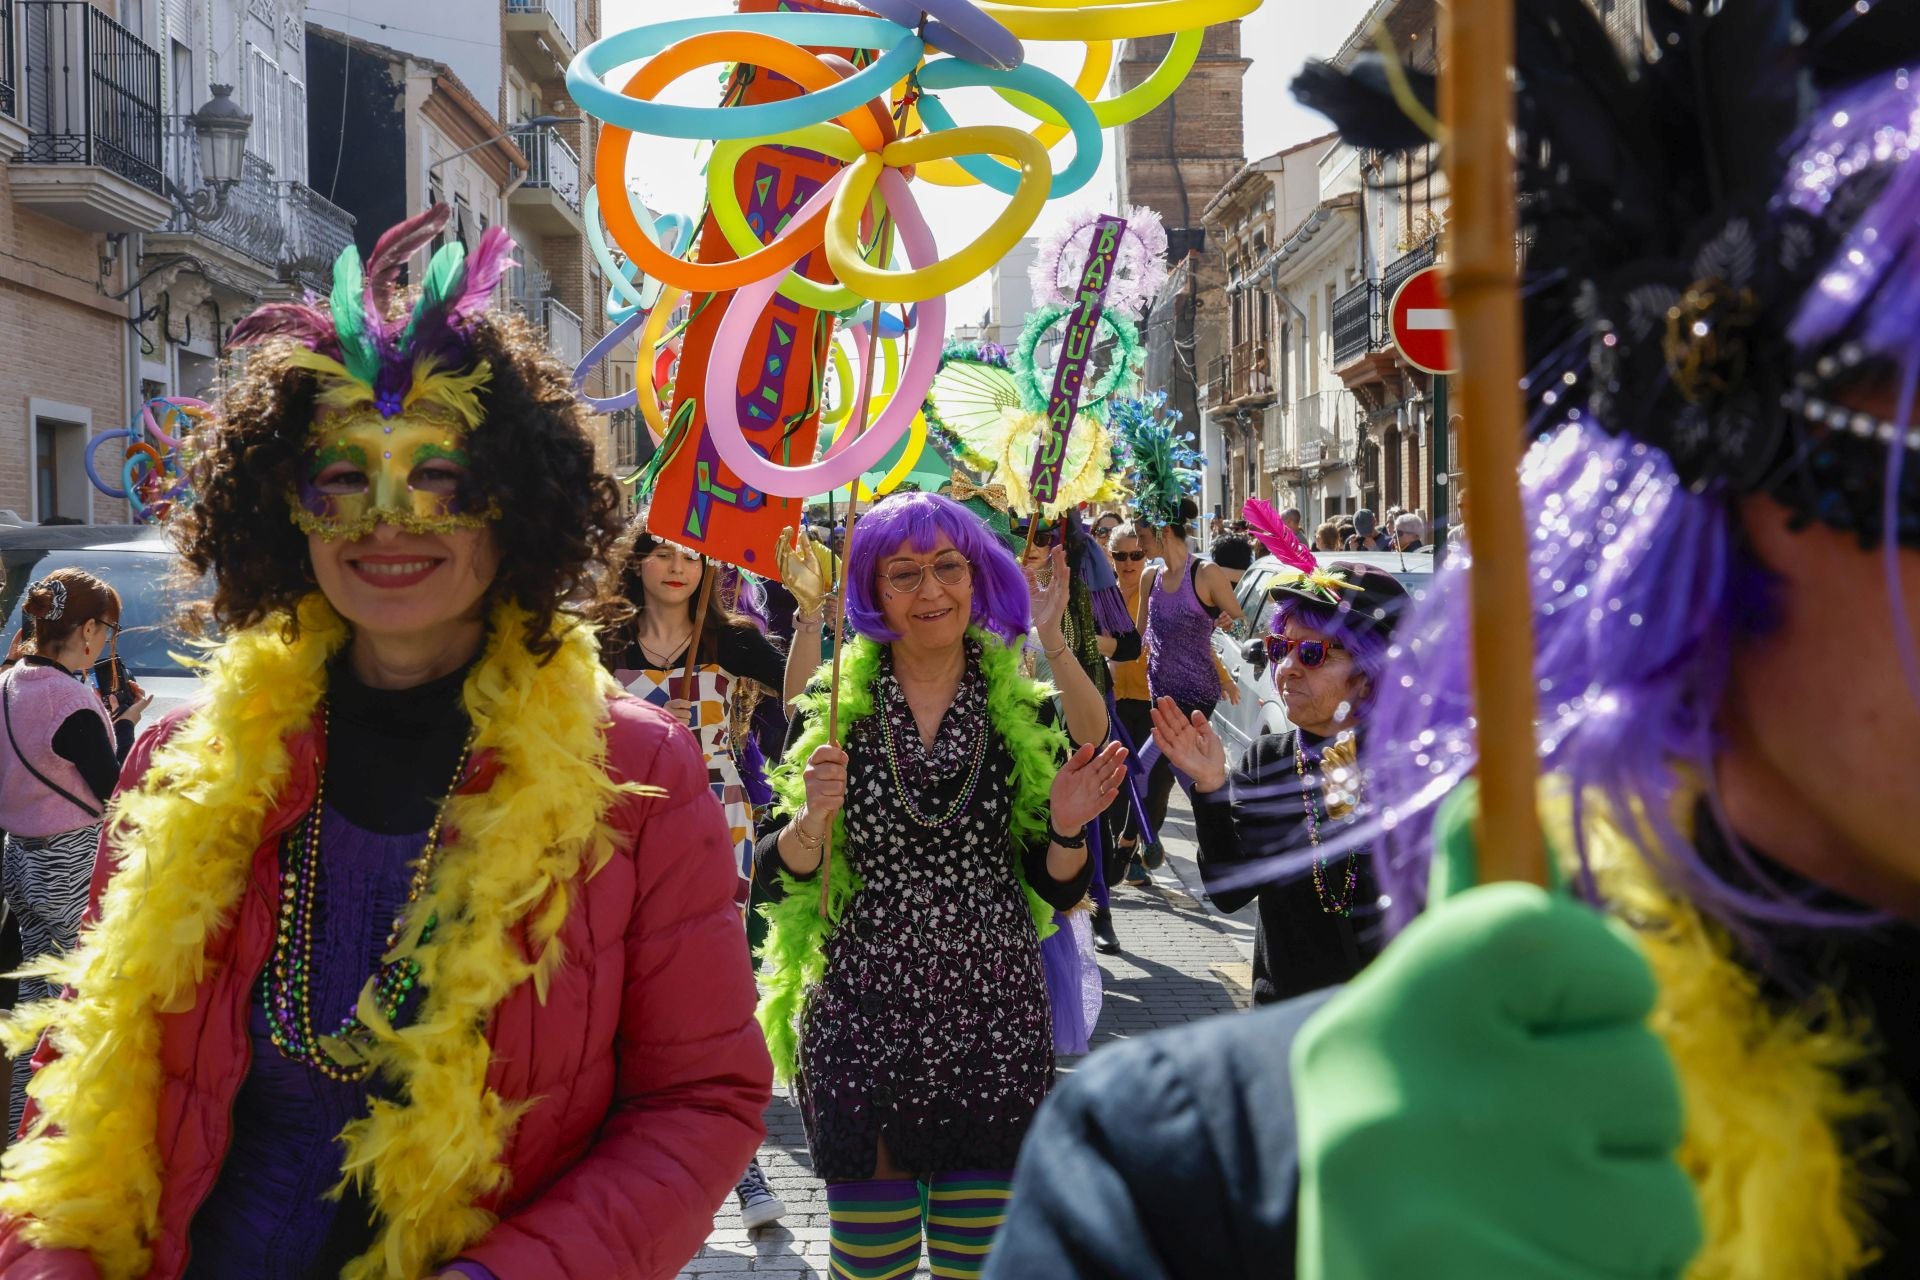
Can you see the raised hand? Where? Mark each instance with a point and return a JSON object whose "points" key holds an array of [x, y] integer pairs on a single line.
{"points": [[800, 571], [1086, 785], [1190, 745], [1047, 591]]}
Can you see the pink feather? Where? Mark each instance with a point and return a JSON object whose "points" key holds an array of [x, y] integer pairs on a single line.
{"points": [[1278, 536], [394, 247], [488, 262]]}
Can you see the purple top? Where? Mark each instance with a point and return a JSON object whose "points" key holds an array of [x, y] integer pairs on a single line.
{"points": [[268, 1217], [1180, 644]]}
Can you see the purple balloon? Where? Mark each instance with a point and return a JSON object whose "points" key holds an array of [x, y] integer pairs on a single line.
{"points": [[956, 27]]}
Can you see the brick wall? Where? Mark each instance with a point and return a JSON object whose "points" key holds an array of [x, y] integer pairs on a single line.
{"points": [[61, 339]]}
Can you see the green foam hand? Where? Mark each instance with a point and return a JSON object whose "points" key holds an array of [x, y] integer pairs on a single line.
{"points": [[1486, 1102]]}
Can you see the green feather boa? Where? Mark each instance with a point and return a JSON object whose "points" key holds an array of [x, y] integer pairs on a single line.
{"points": [[794, 956]]}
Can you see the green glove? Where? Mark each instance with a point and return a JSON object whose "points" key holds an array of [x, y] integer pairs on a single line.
{"points": [[1486, 1101]]}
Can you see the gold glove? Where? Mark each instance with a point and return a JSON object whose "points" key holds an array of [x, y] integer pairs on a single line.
{"points": [[804, 568]]}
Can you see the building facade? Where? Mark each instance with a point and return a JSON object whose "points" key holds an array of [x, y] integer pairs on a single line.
{"points": [[1172, 160], [112, 293]]}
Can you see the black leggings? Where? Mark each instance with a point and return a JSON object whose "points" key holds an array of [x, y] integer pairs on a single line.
{"points": [[1136, 716]]}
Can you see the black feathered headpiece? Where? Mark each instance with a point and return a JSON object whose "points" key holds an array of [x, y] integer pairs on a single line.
{"points": [[1695, 217]]}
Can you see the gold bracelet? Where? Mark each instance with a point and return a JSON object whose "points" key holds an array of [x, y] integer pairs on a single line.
{"points": [[807, 842], [1054, 653]]}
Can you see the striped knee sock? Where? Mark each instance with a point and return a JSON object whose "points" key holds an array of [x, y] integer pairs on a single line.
{"points": [[964, 1209], [873, 1229]]}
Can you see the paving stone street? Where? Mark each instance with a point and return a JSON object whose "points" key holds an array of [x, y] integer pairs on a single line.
{"points": [[1180, 962]]}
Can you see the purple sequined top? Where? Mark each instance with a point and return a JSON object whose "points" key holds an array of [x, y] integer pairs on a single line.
{"points": [[1180, 644], [268, 1217]]}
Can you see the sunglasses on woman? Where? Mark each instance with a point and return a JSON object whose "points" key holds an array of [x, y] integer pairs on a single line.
{"points": [[1129, 555], [905, 579], [1312, 652], [1105, 531]]}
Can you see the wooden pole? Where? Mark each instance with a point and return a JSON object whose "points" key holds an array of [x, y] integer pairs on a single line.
{"points": [[709, 570], [1484, 286]]}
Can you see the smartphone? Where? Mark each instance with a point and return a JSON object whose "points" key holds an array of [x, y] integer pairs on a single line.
{"points": [[110, 677]]}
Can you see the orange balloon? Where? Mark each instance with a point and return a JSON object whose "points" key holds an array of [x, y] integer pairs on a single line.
{"points": [[610, 161]]}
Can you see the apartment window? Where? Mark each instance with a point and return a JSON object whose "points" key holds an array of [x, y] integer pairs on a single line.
{"points": [[296, 131], [181, 74], [263, 101], [462, 219]]}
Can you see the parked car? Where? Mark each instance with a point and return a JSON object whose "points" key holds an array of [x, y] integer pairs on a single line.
{"points": [[1260, 709], [135, 560]]}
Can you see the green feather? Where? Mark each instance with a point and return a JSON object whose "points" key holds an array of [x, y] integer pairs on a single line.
{"points": [[357, 350], [794, 956], [446, 274]]}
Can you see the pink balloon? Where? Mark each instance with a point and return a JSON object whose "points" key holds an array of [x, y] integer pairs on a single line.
{"points": [[850, 456]]}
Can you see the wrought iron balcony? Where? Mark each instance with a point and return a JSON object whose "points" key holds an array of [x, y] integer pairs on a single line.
{"points": [[9, 99], [315, 231], [92, 92], [249, 223], [1359, 322], [1404, 266], [541, 35], [1323, 428], [549, 199], [558, 322]]}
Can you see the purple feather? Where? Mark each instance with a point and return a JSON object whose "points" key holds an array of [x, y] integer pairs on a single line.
{"points": [[395, 247], [485, 266], [309, 325]]}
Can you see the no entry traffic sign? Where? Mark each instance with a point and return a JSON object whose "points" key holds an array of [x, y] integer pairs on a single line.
{"points": [[1421, 322]]}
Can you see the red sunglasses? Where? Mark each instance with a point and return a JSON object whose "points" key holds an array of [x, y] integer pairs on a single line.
{"points": [[1312, 652]]}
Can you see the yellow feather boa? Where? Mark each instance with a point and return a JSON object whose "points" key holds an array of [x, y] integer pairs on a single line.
{"points": [[1764, 1086], [89, 1176]]}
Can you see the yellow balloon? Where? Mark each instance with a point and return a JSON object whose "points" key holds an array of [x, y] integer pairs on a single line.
{"points": [[1093, 74], [916, 445], [1129, 106], [724, 203], [977, 258], [643, 358], [1077, 20]]}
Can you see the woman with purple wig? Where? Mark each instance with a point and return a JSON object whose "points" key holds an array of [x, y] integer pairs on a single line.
{"points": [[1296, 789], [1698, 1053], [905, 997]]}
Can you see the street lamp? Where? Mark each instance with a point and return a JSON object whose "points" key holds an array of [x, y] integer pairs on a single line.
{"points": [[220, 136]]}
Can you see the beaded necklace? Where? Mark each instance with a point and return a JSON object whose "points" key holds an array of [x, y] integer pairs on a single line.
{"points": [[286, 986], [890, 747], [1342, 906]]}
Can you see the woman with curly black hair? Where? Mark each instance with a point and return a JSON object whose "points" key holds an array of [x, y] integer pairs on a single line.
{"points": [[412, 947]]}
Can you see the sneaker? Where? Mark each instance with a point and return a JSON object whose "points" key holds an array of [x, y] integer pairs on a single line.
{"points": [[1155, 854], [759, 1207], [1104, 939], [1137, 874]]}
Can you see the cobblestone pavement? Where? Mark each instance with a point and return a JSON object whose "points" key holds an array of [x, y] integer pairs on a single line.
{"points": [[1181, 962]]}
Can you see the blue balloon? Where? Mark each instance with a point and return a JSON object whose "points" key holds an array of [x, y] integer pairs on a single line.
{"points": [[902, 52], [1089, 142]]}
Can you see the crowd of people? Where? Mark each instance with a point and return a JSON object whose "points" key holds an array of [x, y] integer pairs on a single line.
{"points": [[512, 852]]}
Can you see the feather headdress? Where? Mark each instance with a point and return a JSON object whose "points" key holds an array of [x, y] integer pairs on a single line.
{"points": [[1720, 235], [370, 354], [1278, 536], [1161, 468]]}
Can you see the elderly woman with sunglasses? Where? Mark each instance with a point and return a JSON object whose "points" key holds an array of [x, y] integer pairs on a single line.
{"points": [[1328, 652], [906, 998]]}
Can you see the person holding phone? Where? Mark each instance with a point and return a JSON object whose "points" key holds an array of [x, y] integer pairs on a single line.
{"points": [[64, 743]]}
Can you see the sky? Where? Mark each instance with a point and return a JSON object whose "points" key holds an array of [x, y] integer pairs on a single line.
{"points": [[1278, 37]]}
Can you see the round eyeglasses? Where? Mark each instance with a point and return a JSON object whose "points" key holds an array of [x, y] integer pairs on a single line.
{"points": [[1312, 652], [905, 579]]}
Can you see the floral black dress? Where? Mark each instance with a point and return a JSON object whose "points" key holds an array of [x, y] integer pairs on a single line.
{"points": [[931, 1025]]}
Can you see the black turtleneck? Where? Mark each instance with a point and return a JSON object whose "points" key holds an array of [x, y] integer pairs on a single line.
{"points": [[391, 752]]}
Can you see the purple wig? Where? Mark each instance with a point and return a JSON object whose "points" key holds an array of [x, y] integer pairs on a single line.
{"points": [[1368, 646], [917, 520]]}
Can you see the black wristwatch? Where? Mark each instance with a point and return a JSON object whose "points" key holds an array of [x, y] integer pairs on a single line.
{"points": [[1067, 842]]}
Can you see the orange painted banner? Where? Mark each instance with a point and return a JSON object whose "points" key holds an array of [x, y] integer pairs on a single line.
{"points": [[697, 501]]}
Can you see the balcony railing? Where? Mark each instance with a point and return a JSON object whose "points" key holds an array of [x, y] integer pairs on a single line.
{"points": [[563, 13], [316, 230], [561, 326], [1359, 322], [1251, 371], [9, 103], [250, 223], [92, 93], [552, 163], [1404, 266], [1323, 428]]}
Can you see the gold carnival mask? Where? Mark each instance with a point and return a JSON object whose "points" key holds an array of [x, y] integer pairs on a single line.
{"points": [[411, 471]]}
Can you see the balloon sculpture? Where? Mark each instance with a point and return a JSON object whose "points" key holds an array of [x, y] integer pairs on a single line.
{"points": [[832, 123], [152, 470]]}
